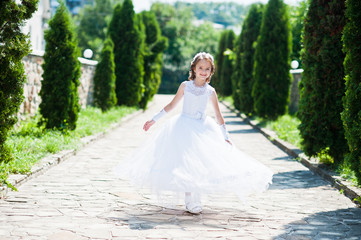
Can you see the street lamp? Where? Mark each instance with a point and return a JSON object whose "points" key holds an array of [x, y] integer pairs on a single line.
{"points": [[88, 53], [294, 64]]}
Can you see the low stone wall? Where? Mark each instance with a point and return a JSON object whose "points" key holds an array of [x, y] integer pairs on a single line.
{"points": [[34, 71]]}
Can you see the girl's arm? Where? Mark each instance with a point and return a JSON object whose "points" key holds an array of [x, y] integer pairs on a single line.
{"points": [[219, 117], [170, 106]]}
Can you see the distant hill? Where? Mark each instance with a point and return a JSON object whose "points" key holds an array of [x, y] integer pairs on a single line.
{"points": [[227, 14]]}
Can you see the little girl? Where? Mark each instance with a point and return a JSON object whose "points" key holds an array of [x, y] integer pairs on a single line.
{"points": [[191, 153]]}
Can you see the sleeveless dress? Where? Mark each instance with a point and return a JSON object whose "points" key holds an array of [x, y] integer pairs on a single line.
{"points": [[189, 154]]}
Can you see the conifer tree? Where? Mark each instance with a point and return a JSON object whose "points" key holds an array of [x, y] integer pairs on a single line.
{"points": [[322, 84], [127, 38], [104, 78], [14, 45], [271, 71], [59, 91], [227, 65], [217, 81], [236, 75], [155, 44], [250, 32], [352, 104]]}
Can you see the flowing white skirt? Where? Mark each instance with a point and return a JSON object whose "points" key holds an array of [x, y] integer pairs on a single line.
{"points": [[189, 155]]}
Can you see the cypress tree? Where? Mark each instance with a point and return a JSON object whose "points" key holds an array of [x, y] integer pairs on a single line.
{"points": [[59, 91], [217, 82], [14, 45], [271, 70], [352, 104], [236, 75], [155, 44], [227, 65], [129, 70], [322, 85], [104, 78], [250, 31]]}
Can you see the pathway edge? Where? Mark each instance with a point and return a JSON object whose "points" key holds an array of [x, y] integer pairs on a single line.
{"points": [[312, 164], [54, 159]]}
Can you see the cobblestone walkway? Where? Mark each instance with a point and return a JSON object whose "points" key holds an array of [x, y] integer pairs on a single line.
{"points": [[81, 199]]}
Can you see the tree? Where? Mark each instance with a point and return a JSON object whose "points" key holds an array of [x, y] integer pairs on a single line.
{"points": [[243, 72], [129, 70], [322, 86], [351, 102], [104, 78], [222, 47], [271, 71], [227, 65], [14, 45], [155, 44], [92, 27], [297, 22], [59, 105]]}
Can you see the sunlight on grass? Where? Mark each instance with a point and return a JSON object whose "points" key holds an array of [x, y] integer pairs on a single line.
{"points": [[30, 143]]}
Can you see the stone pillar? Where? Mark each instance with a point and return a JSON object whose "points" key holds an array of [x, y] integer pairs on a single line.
{"points": [[294, 91]]}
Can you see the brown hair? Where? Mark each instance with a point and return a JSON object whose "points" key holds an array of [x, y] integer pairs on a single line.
{"points": [[196, 59]]}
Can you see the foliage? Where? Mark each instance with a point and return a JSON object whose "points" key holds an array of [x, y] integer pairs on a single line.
{"points": [[14, 45], [351, 115], [128, 57], [185, 39], [104, 78], [155, 44], [322, 86], [271, 71], [59, 92], [243, 76], [222, 47], [92, 27], [31, 143], [227, 65], [297, 16]]}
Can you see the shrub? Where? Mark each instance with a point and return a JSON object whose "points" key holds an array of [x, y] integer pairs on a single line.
{"points": [[352, 105], [104, 78], [271, 71], [59, 91], [14, 45]]}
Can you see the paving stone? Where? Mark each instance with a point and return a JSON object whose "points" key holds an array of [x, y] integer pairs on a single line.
{"points": [[81, 198]]}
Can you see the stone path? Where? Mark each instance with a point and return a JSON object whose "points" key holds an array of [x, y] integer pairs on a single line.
{"points": [[81, 199]]}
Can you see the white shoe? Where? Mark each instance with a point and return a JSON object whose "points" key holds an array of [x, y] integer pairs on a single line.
{"points": [[194, 208]]}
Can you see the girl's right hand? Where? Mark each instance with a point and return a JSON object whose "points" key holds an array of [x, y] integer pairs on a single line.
{"points": [[148, 124]]}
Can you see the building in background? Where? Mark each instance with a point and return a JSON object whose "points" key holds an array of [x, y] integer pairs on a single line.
{"points": [[36, 25]]}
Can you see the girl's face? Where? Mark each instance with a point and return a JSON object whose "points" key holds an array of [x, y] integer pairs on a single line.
{"points": [[203, 69]]}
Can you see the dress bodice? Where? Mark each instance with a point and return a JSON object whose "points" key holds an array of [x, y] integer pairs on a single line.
{"points": [[196, 99]]}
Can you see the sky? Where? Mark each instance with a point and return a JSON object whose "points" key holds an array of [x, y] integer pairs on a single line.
{"points": [[140, 5]]}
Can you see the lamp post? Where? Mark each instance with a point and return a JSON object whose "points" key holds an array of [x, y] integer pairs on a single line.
{"points": [[88, 53]]}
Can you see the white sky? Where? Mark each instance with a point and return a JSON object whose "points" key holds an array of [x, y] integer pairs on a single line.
{"points": [[140, 5]]}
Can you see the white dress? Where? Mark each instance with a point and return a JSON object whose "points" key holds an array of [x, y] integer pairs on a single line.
{"points": [[189, 154]]}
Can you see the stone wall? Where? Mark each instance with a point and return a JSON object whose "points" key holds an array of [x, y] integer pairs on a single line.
{"points": [[34, 71]]}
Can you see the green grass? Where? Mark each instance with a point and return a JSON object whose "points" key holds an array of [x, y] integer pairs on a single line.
{"points": [[30, 143], [286, 128]]}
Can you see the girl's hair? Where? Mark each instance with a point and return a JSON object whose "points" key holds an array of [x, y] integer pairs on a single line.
{"points": [[199, 56]]}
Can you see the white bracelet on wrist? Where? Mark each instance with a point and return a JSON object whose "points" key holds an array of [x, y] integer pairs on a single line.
{"points": [[159, 115], [224, 131]]}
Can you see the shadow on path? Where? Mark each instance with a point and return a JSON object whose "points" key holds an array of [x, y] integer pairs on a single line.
{"points": [[339, 224]]}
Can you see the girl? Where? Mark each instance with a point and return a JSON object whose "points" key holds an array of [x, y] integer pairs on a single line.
{"points": [[191, 153]]}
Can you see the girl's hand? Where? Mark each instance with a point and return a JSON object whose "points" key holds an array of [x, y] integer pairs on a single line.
{"points": [[229, 142], [148, 124]]}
